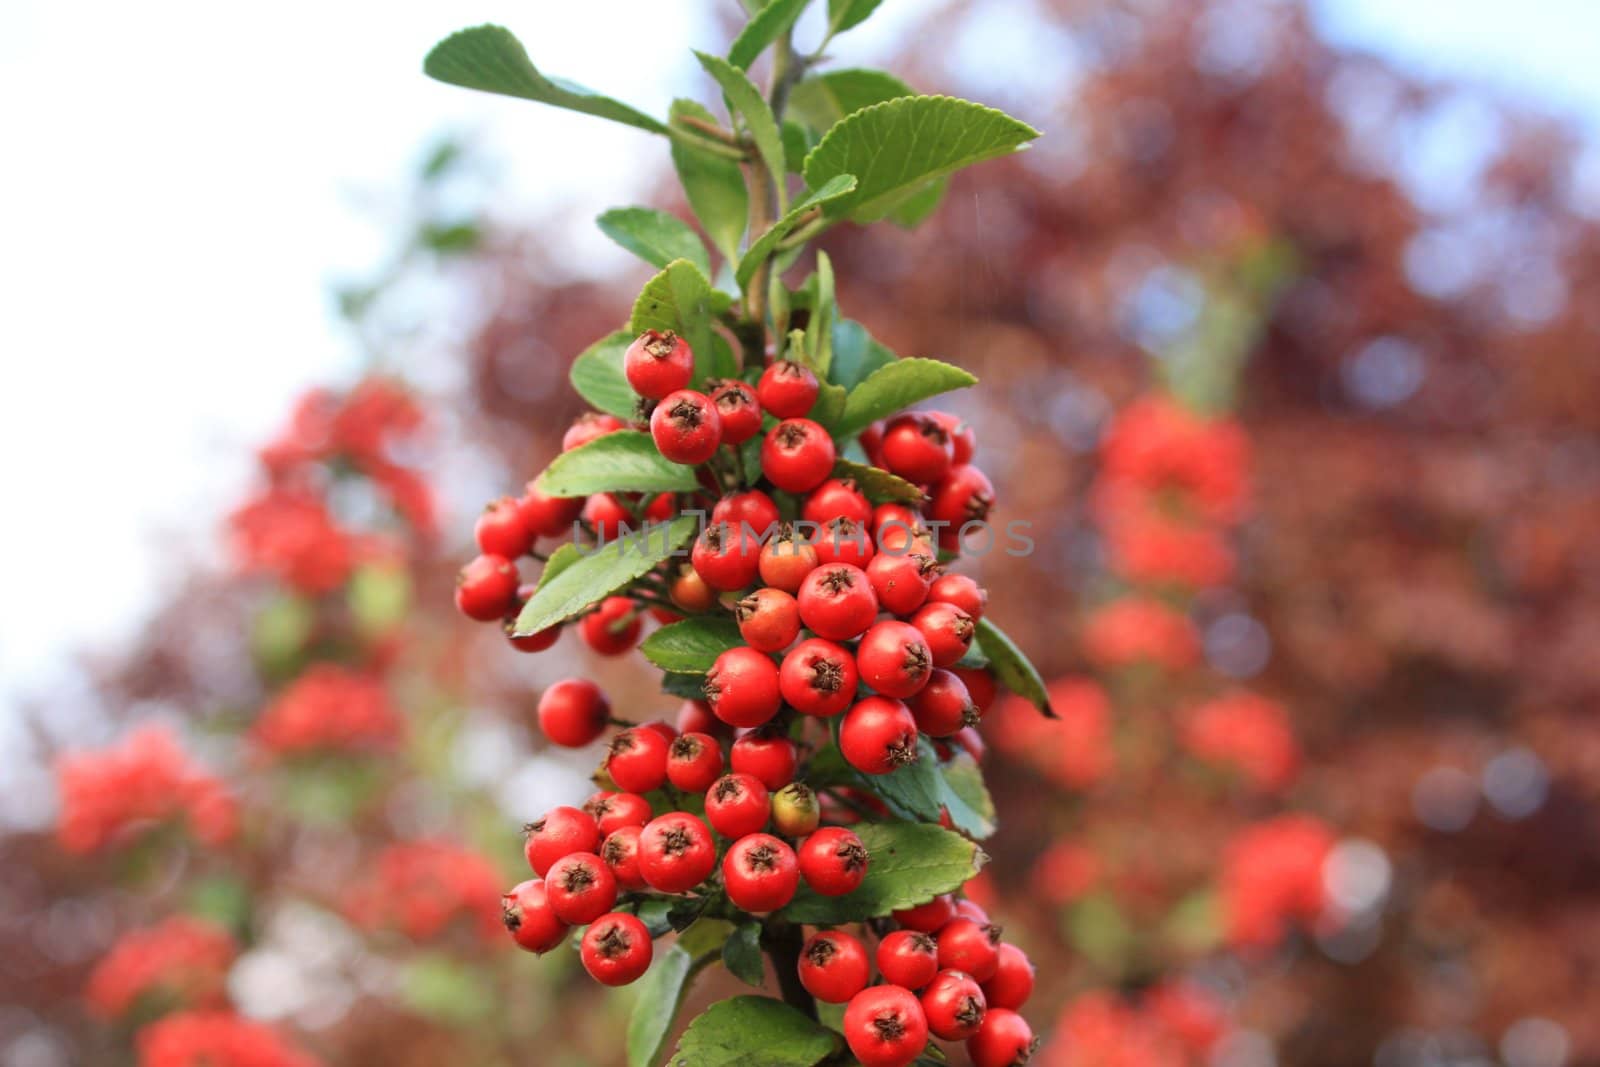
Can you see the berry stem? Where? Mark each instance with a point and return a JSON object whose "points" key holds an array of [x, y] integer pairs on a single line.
{"points": [[783, 942]]}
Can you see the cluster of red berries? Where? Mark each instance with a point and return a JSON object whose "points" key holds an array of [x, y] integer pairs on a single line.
{"points": [[1248, 734], [329, 708], [181, 961], [423, 888], [1074, 750], [213, 1038], [1173, 1024], [110, 795], [1273, 879], [946, 973], [1134, 630]]}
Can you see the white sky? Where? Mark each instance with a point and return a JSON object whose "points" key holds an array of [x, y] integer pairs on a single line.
{"points": [[177, 185]]}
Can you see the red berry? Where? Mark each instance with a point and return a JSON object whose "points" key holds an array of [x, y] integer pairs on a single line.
{"points": [[894, 519], [833, 966], [786, 559], [878, 735], [637, 760], [742, 687], [949, 631], [961, 591], [797, 455], [1004, 1040], [928, 918], [885, 1027], [917, 448], [818, 677], [760, 873], [686, 427], [616, 950], [769, 620], [694, 717], [527, 914], [963, 441], [581, 888], [966, 908], [612, 811], [752, 509], [656, 364], [661, 508], [561, 832], [534, 642], [767, 756], [668, 732], [691, 592], [943, 708], [736, 805], [833, 861], [843, 541], [1012, 983], [980, 683], [908, 957], [609, 516], [548, 516], [502, 531], [836, 498], [612, 628], [486, 588], [588, 427], [694, 761], [740, 410], [620, 852], [962, 496], [894, 659], [726, 556], [573, 712], [901, 580], [954, 1005], [676, 853], [837, 602], [795, 810], [787, 389], [968, 946], [872, 443]]}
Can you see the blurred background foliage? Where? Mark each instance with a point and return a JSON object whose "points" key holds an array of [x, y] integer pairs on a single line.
{"points": [[1226, 217]]}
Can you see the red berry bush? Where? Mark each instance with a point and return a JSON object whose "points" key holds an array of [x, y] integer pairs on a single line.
{"points": [[758, 506]]}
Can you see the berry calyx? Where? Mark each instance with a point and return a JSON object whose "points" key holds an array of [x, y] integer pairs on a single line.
{"points": [[736, 805], [612, 811], [760, 873], [818, 677], [837, 602], [657, 364], [620, 852], [948, 629], [954, 1006], [1004, 1040], [908, 957], [676, 853], [885, 1027], [943, 708], [486, 588], [878, 735], [965, 945], [901, 580], [694, 762], [580, 887], [787, 389], [833, 861], [739, 409], [769, 620], [686, 427], [786, 559], [742, 687], [637, 759], [616, 949], [528, 917], [797, 455], [894, 659], [561, 832], [917, 448], [727, 556], [833, 966], [573, 712], [766, 755]]}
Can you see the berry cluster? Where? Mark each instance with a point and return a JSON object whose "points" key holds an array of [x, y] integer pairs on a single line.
{"points": [[1272, 880], [423, 888], [207, 1038], [179, 962], [329, 708], [1173, 1024]]}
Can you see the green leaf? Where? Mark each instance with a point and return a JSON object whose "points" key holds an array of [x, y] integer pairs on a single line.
{"points": [[1097, 928], [911, 863], [763, 246], [626, 461], [598, 377], [879, 485], [679, 299], [855, 354], [824, 309], [823, 99], [602, 572], [1015, 671], [693, 645], [896, 147], [714, 185], [684, 686], [752, 1031], [563, 557], [661, 994], [767, 26], [919, 205], [655, 236], [798, 142], [896, 386], [745, 99], [741, 954], [491, 58], [967, 798], [846, 14]]}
